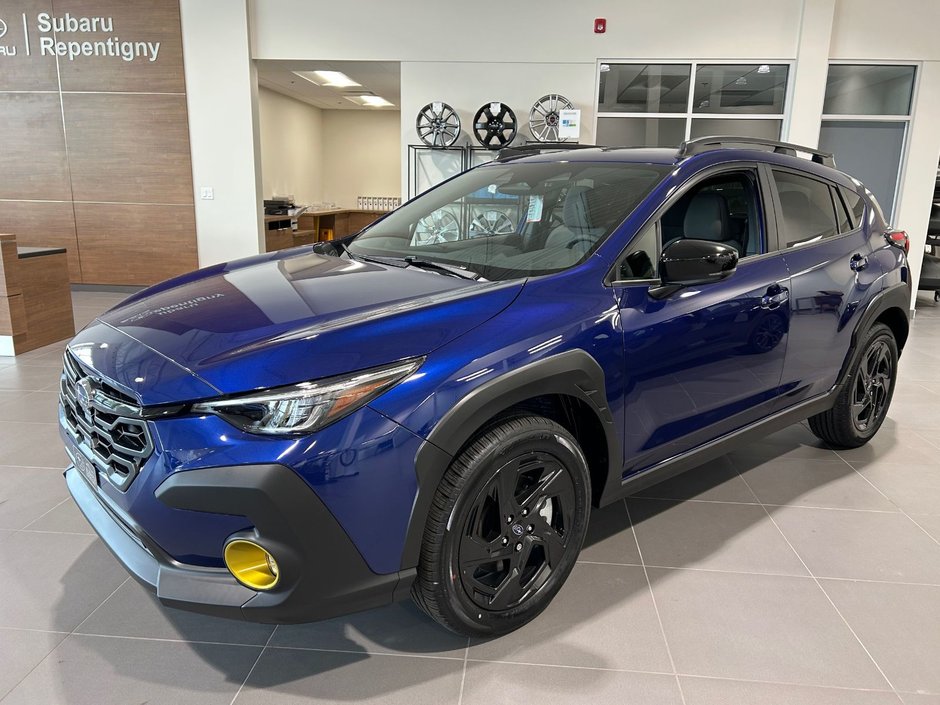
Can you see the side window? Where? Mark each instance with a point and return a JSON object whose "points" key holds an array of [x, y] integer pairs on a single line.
{"points": [[855, 204], [808, 214], [724, 208], [842, 213]]}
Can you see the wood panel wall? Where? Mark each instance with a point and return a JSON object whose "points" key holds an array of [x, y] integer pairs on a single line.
{"points": [[94, 152]]}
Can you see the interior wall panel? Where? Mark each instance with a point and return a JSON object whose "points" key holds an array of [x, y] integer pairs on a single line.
{"points": [[33, 162], [43, 224], [103, 127], [142, 156], [156, 21], [134, 244], [22, 71]]}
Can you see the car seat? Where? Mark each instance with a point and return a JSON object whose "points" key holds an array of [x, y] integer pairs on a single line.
{"points": [[577, 233], [707, 218]]}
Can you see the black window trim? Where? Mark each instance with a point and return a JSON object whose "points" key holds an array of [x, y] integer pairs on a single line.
{"points": [[766, 205], [779, 208]]}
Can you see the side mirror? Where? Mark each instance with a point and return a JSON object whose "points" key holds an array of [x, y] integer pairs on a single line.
{"points": [[690, 262]]}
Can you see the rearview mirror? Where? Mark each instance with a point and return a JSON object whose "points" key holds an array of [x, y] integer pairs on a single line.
{"points": [[689, 262]]}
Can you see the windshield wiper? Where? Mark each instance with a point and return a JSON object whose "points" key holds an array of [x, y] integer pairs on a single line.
{"points": [[419, 263], [433, 266]]}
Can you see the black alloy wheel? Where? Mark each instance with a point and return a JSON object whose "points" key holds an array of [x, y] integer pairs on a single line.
{"points": [[516, 532], [505, 527], [861, 404], [871, 388]]}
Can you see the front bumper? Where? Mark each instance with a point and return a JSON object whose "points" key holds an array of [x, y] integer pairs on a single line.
{"points": [[323, 574]]}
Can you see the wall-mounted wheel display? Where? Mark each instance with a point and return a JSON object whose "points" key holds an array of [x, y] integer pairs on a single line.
{"points": [[495, 125], [544, 117], [491, 222], [438, 125], [439, 226]]}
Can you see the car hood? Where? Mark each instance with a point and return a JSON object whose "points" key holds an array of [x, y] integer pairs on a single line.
{"points": [[276, 320]]}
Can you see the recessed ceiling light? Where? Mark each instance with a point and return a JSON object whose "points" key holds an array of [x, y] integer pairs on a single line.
{"points": [[375, 101], [369, 101], [335, 79], [763, 68]]}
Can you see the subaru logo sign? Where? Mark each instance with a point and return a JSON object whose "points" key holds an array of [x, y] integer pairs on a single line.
{"points": [[83, 393], [518, 529], [3, 28]]}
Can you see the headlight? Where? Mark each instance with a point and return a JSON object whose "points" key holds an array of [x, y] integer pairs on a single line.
{"points": [[308, 406]]}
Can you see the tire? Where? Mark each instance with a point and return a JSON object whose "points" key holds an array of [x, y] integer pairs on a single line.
{"points": [[505, 527], [862, 402]]}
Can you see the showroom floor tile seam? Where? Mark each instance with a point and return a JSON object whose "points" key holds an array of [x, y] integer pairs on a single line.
{"points": [[254, 665], [67, 636], [48, 511], [677, 500], [726, 571], [900, 509], [932, 442], [659, 619], [826, 594], [463, 674]]}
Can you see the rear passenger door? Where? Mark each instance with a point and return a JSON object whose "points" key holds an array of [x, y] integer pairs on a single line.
{"points": [[707, 359], [826, 247]]}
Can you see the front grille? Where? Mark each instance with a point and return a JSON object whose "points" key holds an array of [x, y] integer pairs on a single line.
{"points": [[106, 422]]}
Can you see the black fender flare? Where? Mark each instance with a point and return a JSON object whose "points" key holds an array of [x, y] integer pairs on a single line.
{"points": [[895, 296], [573, 373]]}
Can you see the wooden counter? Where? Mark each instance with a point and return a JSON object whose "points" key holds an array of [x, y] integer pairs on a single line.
{"points": [[35, 297], [315, 226]]}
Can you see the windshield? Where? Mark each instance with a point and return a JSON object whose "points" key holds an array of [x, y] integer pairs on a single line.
{"points": [[512, 220]]}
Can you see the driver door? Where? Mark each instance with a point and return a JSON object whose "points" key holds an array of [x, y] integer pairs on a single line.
{"points": [[707, 359]]}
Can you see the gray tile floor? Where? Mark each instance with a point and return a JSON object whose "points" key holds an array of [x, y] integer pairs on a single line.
{"points": [[789, 574]]}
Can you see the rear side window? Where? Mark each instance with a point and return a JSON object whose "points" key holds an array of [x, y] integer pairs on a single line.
{"points": [[808, 213], [855, 204], [842, 213]]}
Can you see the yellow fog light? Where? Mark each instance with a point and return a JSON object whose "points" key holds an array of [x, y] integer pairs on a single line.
{"points": [[251, 564]]}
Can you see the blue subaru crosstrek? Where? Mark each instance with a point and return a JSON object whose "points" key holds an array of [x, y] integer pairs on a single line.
{"points": [[431, 407]]}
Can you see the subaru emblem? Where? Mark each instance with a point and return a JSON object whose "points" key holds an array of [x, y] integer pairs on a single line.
{"points": [[83, 393]]}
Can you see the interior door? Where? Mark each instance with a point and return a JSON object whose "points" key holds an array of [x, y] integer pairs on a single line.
{"points": [[707, 359]]}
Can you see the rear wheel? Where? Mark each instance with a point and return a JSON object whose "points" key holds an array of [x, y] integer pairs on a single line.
{"points": [[863, 401], [505, 528]]}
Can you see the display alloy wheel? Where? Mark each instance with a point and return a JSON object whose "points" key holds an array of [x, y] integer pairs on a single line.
{"points": [[491, 222], [495, 125], [434, 228], [864, 398], [545, 117], [505, 527], [438, 125]]}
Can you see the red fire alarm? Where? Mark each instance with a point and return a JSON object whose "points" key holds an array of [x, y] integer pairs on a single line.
{"points": [[600, 25]]}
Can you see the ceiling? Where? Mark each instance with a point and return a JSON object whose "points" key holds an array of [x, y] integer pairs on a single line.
{"points": [[382, 78]]}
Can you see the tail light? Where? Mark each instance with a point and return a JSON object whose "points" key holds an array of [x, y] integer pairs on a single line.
{"points": [[899, 238]]}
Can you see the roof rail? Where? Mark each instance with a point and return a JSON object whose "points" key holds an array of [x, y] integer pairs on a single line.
{"points": [[530, 148], [707, 144]]}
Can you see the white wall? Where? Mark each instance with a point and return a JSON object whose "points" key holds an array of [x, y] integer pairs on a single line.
{"points": [[291, 147], [221, 96], [556, 31], [361, 155]]}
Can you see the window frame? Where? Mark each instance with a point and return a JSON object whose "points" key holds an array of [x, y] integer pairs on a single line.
{"points": [[778, 207], [689, 115], [767, 208], [903, 119]]}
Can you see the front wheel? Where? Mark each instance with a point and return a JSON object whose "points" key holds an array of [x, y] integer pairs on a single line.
{"points": [[863, 401], [505, 528]]}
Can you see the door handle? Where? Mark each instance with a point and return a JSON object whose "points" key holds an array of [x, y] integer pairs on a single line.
{"points": [[775, 296], [858, 262]]}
